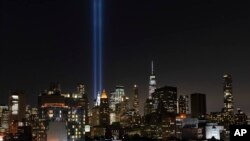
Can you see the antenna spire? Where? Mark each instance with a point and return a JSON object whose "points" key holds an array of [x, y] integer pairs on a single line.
{"points": [[152, 67]]}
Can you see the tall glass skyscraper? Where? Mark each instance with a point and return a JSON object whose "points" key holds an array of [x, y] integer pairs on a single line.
{"points": [[228, 96], [152, 81], [116, 97]]}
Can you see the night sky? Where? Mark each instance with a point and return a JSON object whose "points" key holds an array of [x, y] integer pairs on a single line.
{"points": [[192, 42]]}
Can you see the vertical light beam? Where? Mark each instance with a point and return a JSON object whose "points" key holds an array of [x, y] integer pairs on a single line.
{"points": [[100, 44], [94, 49], [97, 46]]}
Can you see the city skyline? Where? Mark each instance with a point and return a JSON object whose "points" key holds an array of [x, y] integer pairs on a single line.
{"points": [[51, 41]]}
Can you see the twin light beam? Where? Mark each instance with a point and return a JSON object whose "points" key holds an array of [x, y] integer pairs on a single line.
{"points": [[97, 46]]}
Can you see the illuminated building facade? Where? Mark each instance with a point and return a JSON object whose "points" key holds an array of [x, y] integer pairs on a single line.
{"points": [[4, 118], [228, 110], [183, 104], [122, 108], [165, 105], [216, 117], [116, 97], [228, 96], [161, 122], [95, 116], [134, 112], [100, 116], [17, 107], [198, 105], [136, 98], [152, 81], [148, 107], [179, 124], [165, 100], [98, 99], [71, 109]]}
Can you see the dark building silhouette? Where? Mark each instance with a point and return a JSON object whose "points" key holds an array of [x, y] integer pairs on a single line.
{"points": [[198, 105], [136, 99], [104, 110], [160, 123], [165, 100]]}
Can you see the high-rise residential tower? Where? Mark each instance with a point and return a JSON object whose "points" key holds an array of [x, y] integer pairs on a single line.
{"points": [[228, 97]]}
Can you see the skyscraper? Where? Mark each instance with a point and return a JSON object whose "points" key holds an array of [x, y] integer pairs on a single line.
{"points": [[104, 110], [152, 81], [77, 114], [71, 109], [136, 99], [98, 99], [148, 107], [165, 100], [116, 97], [183, 106], [198, 105], [4, 118], [161, 121], [228, 97], [17, 107], [228, 109]]}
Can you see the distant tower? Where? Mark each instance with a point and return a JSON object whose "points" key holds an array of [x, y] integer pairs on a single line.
{"points": [[228, 97], [148, 107], [104, 110], [152, 81], [183, 107], [80, 89], [136, 99], [98, 99], [116, 97], [17, 106]]}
